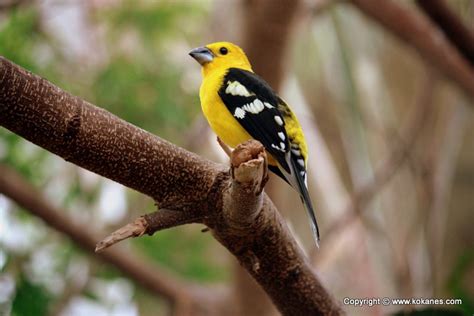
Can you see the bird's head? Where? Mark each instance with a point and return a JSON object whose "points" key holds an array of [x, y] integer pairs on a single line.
{"points": [[220, 56]]}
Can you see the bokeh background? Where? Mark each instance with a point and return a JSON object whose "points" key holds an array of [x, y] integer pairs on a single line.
{"points": [[391, 146]]}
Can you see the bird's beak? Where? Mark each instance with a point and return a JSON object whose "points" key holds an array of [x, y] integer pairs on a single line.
{"points": [[203, 55]]}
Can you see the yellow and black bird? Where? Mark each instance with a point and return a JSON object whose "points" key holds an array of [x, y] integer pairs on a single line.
{"points": [[239, 105]]}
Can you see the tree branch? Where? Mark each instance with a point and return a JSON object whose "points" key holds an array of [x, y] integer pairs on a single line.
{"points": [[427, 39], [279, 17], [147, 224], [179, 180], [459, 35]]}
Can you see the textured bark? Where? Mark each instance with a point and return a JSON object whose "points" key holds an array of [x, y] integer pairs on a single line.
{"points": [[248, 295], [270, 254], [418, 31], [179, 180], [148, 224]]}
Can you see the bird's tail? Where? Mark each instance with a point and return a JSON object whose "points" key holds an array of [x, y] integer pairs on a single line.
{"points": [[305, 198]]}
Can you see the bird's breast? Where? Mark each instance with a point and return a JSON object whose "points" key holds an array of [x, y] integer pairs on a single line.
{"points": [[220, 119]]}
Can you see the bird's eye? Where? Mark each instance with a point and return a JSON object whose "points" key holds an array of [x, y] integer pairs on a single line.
{"points": [[223, 51]]}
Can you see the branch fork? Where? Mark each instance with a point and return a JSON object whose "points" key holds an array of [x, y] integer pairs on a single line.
{"points": [[244, 199]]}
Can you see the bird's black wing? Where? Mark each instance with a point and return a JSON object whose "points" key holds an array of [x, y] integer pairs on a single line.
{"points": [[254, 105], [262, 114]]}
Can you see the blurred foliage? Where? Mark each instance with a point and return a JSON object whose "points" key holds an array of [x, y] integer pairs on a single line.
{"points": [[184, 252], [139, 81], [457, 284], [18, 25], [157, 23], [22, 155], [30, 299], [156, 104], [145, 88]]}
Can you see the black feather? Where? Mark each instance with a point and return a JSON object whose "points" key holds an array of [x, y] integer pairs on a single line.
{"points": [[306, 199], [261, 126]]}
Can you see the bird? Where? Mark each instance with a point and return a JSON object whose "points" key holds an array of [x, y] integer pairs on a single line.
{"points": [[239, 106]]}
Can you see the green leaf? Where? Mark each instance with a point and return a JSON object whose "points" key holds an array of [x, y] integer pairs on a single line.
{"points": [[30, 299]]}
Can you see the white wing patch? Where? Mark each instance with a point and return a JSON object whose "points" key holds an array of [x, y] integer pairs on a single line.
{"points": [[280, 147], [268, 105], [278, 120], [236, 88], [281, 135], [239, 113], [254, 107], [297, 152], [301, 162]]}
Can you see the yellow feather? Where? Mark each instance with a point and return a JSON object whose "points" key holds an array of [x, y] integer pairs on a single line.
{"points": [[220, 119], [222, 122], [294, 130]]}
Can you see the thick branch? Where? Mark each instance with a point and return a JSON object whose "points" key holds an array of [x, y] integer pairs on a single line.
{"points": [[286, 274], [418, 31], [97, 140]]}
